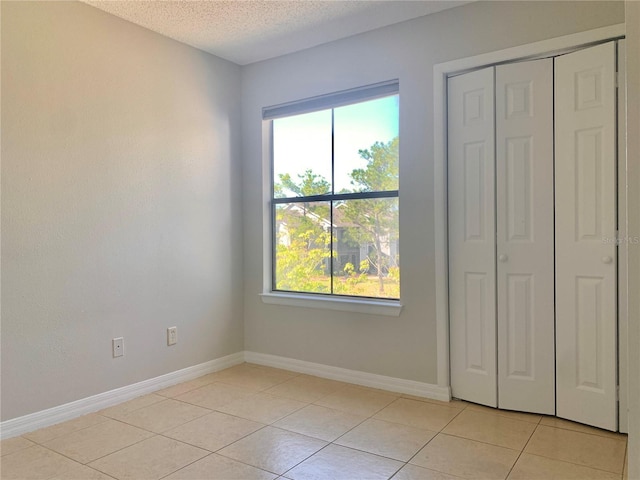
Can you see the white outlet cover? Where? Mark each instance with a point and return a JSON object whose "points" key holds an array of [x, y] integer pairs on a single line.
{"points": [[118, 347], [172, 335]]}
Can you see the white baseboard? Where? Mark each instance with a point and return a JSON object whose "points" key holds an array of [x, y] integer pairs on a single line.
{"points": [[68, 411], [51, 416], [383, 382]]}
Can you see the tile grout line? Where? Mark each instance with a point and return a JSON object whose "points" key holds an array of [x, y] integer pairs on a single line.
{"points": [[522, 451], [568, 461], [425, 445]]}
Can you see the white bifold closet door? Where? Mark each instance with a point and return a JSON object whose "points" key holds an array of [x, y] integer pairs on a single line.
{"points": [[472, 261], [533, 320], [501, 236], [586, 260], [524, 240]]}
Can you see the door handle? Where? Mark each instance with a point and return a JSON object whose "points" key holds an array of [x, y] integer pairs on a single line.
{"points": [[503, 258], [607, 259]]}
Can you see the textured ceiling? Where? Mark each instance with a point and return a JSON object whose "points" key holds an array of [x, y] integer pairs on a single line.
{"points": [[247, 31]]}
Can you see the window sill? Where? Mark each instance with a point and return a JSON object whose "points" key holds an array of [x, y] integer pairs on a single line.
{"points": [[387, 308]]}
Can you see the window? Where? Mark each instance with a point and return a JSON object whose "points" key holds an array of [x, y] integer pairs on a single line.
{"points": [[334, 200]]}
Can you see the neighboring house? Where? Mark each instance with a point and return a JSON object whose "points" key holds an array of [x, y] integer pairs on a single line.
{"points": [[347, 250]]}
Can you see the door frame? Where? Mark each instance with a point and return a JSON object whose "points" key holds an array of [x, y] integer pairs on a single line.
{"points": [[441, 72]]}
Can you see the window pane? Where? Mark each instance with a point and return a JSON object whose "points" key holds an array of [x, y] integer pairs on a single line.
{"points": [[366, 248], [366, 146], [302, 155], [303, 247]]}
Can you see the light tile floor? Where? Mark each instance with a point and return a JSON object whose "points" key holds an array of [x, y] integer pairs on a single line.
{"points": [[252, 422]]}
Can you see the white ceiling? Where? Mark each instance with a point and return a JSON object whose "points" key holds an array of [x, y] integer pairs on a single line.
{"points": [[247, 31]]}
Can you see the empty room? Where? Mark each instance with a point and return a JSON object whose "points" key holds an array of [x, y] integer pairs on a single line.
{"points": [[320, 240]]}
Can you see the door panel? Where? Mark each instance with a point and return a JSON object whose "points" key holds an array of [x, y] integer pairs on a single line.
{"points": [[524, 220], [586, 323], [471, 237]]}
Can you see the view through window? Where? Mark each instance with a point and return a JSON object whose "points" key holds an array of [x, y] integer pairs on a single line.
{"points": [[335, 200]]}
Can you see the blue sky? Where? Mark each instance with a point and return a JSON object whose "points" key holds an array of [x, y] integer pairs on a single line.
{"points": [[303, 142]]}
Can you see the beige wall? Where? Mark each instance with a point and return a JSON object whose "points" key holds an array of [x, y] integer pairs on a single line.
{"points": [[120, 204], [403, 347], [632, 15]]}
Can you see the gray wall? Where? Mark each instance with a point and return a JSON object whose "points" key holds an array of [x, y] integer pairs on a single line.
{"points": [[120, 204], [403, 347]]}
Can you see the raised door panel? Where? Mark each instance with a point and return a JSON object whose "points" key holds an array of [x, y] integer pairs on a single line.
{"points": [[471, 173], [524, 241], [585, 229]]}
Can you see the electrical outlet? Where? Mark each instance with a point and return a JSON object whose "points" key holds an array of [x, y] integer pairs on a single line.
{"points": [[118, 347], [172, 335]]}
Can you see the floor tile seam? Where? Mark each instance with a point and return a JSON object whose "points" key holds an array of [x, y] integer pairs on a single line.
{"points": [[278, 419], [318, 438], [356, 413], [404, 464], [381, 455], [57, 476], [238, 416], [231, 384], [406, 424], [155, 392], [50, 450], [350, 448], [209, 408], [574, 463], [432, 468], [433, 401], [480, 441], [33, 444], [186, 403], [302, 461], [218, 449], [624, 458], [393, 423], [501, 416], [94, 425], [291, 398], [425, 446], [321, 406], [187, 465], [449, 422], [135, 409], [217, 452], [297, 433], [86, 464], [264, 469], [460, 435], [165, 430], [522, 451], [249, 465], [600, 435], [352, 428], [68, 433]]}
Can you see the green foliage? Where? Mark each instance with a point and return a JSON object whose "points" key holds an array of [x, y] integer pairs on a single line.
{"points": [[308, 184], [300, 265], [303, 241], [376, 220], [303, 238], [381, 173]]}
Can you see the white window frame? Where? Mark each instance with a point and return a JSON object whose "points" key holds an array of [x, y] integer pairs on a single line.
{"points": [[366, 305]]}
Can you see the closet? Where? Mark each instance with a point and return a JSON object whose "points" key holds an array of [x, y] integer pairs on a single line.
{"points": [[532, 223]]}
